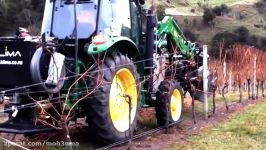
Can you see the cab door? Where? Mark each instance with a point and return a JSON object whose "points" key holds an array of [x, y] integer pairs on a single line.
{"points": [[114, 18]]}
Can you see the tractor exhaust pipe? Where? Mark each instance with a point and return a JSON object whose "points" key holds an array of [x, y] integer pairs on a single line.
{"points": [[151, 24]]}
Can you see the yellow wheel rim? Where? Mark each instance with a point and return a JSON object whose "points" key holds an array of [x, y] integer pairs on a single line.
{"points": [[123, 85], [176, 105]]}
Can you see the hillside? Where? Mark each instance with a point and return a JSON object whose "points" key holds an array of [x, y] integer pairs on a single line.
{"points": [[242, 13], [250, 18]]}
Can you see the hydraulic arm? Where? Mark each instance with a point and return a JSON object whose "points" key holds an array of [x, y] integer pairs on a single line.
{"points": [[168, 27]]}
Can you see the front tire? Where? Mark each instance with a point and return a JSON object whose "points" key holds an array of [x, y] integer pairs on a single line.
{"points": [[107, 108], [169, 98]]}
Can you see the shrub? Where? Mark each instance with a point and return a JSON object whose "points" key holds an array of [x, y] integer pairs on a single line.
{"points": [[199, 4], [186, 21]]}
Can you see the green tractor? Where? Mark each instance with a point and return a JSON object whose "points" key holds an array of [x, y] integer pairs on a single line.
{"points": [[99, 59]]}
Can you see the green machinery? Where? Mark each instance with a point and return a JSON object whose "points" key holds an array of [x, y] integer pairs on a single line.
{"points": [[99, 59]]}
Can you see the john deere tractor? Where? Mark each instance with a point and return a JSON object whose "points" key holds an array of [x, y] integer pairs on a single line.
{"points": [[99, 59]]}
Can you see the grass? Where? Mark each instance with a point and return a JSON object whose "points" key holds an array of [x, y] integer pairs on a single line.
{"points": [[231, 97], [246, 130]]}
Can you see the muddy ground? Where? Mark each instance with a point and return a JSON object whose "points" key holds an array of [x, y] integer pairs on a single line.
{"points": [[156, 141]]}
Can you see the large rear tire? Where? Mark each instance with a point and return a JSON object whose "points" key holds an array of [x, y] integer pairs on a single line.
{"points": [[169, 98], [107, 108]]}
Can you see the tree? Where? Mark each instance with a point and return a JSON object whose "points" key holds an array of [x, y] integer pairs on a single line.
{"points": [[226, 38], [224, 8], [242, 34], [221, 10], [253, 40], [24, 13], [160, 11], [261, 7], [263, 43], [208, 16], [217, 10]]}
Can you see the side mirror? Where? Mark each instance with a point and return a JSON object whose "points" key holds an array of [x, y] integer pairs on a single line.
{"points": [[43, 40]]}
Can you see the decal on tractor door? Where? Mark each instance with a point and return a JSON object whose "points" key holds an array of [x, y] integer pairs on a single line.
{"points": [[8, 54], [8, 62]]}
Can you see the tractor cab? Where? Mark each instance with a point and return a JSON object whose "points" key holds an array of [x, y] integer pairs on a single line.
{"points": [[91, 22], [59, 19], [91, 17]]}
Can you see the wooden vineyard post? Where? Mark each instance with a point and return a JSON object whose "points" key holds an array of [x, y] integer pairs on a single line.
{"points": [[224, 73], [230, 81], [224, 69], [205, 80], [254, 78]]}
